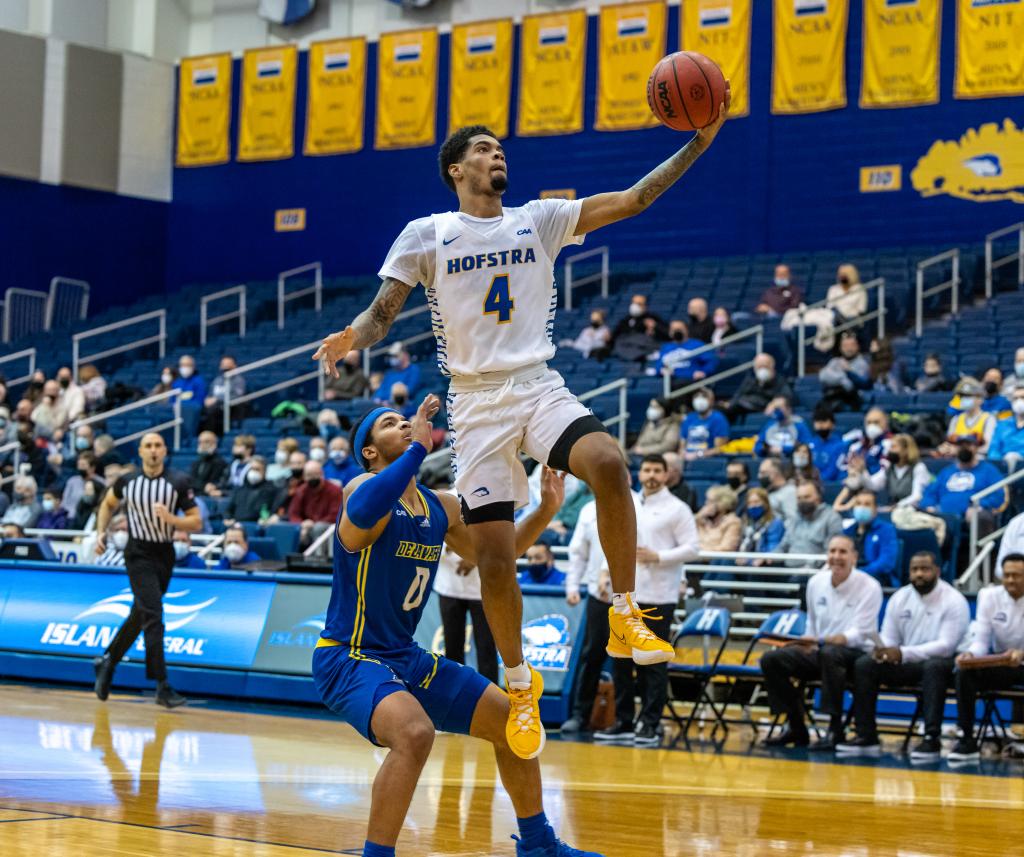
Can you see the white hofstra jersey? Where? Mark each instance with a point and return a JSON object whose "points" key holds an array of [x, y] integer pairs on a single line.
{"points": [[489, 283]]}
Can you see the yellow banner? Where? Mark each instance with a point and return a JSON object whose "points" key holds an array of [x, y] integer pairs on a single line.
{"points": [[552, 54], [901, 53], [720, 29], [809, 56], [406, 89], [266, 122], [204, 110], [481, 76], [989, 48], [334, 102], [631, 40]]}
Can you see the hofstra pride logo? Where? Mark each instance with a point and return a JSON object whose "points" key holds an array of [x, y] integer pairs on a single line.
{"points": [[985, 165]]}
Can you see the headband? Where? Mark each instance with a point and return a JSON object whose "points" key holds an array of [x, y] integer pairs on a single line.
{"points": [[364, 429]]}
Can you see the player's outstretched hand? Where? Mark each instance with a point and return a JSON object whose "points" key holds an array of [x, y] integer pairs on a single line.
{"points": [[421, 426], [333, 348], [552, 489], [707, 135]]}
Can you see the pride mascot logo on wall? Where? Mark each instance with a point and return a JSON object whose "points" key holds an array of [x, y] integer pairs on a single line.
{"points": [[984, 165]]}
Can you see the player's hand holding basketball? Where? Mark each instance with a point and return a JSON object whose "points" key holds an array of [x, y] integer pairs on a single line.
{"points": [[706, 135], [421, 427], [333, 348]]}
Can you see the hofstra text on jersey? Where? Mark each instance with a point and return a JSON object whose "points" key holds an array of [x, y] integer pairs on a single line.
{"points": [[503, 258]]}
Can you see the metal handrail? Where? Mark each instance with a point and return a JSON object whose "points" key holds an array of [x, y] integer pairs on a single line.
{"points": [[30, 353], [975, 501], [77, 359], [323, 537], [315, 374], [601, 275], [921, 293], [879, 312], [15, 447], [369, 353], [205, 321], [175, 423], [975, 564], [316, 289], [212, 545], [991, 265], [757, 331], [51, 298], [7, 305]]}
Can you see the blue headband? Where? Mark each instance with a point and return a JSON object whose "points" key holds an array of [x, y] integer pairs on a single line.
{"points": [[364, 429]]}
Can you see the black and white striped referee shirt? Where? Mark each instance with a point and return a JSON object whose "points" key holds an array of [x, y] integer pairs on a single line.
{"points": [[140, 492]]}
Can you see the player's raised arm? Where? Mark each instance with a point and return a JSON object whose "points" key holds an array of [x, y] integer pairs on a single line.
{"points": [[368, 328], [603, 209]]}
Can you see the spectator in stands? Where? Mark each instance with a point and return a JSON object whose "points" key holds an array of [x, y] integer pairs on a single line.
{"points": [[189, 380], [53, 516], [995, 402], [758, 388], [288, 486], [279, 469], [328, 423], [93, 385], [1014, 380], [1008, 438], [83, 440], [106, 453], [718, 527], [845, 375], [842, 611], [660, 432], [402, 371], [50, 414], [595, 338], [31, 453], [803, 465], [877, 543], [674, 357], [828, 448], [971, 421], [771, 473], [700, 326], [1011, 542], [212, 418], [116, 541], [255, 500], [847, 298], [24, 509], [675, 482], [924, 622], [870, 445], [540, 568], [780, 435], [8, 428], [315, 504], [71, 395], [401, 400], [209, 472], [902, 476], [762, 530], [236, 553], [737, 477], [83, 491], [168, 375], [998, 629], [318, 450], [183, 555], [813, 526], [340, 467], [636, 320], [23, 410], [242, 451], [34, 388], [887, 373], [3, 394], [723, 324], [565, 521], [932, 378], [950, 493], [782, 295], [704, 430], [351, 382]]}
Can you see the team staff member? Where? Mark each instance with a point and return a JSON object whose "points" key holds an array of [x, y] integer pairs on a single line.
{"points": [[842, 611], [152, 501]]}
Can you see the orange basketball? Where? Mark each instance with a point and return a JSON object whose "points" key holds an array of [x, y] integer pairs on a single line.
{"points": [[685, 90]]}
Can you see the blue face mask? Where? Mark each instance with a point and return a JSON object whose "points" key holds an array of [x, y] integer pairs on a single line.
{"points": [[82, 443], [862, 514], [779, 414], [328, 431], [338, 456], [755, 513]]}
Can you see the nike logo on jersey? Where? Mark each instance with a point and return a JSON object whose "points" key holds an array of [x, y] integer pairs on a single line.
{"points": [[447, 241]]}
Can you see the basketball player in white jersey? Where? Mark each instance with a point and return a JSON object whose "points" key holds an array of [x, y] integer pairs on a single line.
{"points": [[488, 272]]}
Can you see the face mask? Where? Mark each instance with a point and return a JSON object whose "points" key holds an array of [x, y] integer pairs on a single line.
{"points": [[800, 461], [254, 477], [64, 382], [931, 373], [734, 482], [399, 400], [281, 457], [338, 456], [327, 431], [318, 454], [82, 443], [991, 388], [204, 453], [967, 403], [655, 414], [237, 454], [166, 378], [296, 472], [677, 336], [1018, 406], [701, 404], [185, 371], [595, 323], [765, 481], [781, 282], [806, 508], [721, 322], [48, 505], [965, 454], [313, 483], [120, 539], [234, 552], [823, 433], [1018, 369], [873, 431], [844, 281], [862, 514], [755, 513], [779, 415], [83, 472], [538, 571], [180, 551], [636, 310], [895, 457], [394, 362], [763, 375], [88, 499]]}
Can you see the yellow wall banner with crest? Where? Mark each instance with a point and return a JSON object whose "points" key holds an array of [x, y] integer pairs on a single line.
{"points": [[204, 110], [809, 55], [989, 48], [481, 76], [266, 122], [720, 29], [901, 53], [631, 40], [337, 92], [406, 89], [552, 54]]}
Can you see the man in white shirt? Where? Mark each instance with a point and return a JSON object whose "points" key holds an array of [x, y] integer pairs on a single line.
{"points": [[1011, 542], [666, 538], [924, 622], [998, 629], [842, 614]]}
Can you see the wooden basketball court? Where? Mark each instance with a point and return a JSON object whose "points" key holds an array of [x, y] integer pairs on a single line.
{"points": [[79, 777]]}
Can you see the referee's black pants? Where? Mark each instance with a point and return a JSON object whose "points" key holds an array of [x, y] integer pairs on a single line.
{"points": [[651, 681], [831, 664], [453, 621], [150, 565], [932, 676], [593, 655]]}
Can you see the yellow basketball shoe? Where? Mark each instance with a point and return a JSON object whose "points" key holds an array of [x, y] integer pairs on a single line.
{"points": [[629, 637], [524, 731]]}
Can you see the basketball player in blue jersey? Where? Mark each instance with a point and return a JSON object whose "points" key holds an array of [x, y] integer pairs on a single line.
{"points": [[366, 666], [488, 272]]}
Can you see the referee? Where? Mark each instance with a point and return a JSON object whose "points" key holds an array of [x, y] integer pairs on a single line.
{"points": [[152, 500]]}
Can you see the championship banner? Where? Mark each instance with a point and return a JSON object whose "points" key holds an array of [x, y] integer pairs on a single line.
{"points": [[266, 125], [406, 89], [809, 56], [553, 49], [337, 91], [989, 48], [720, 29], [901, 53], [631, 40], [481, 76], [204, 110]]}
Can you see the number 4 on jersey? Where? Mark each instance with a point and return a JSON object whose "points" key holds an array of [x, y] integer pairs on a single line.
{"points": [[499, 299]]}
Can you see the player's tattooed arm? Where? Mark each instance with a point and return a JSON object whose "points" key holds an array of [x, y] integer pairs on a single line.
{"points": [[666, 174]]}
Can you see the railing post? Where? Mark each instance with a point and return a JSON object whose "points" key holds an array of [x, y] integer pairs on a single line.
{"points": [[163, 334], [919, 303], [988, 267], [202, 323], [956, 283], [568, 284], [74, 360], [366, 362], [227, 405], [623, 413], [759, 340], [801, 341], [973, 529], [320, 384], [666, 382], [280, 302], [177, 423], [319, 280], [881, 309], [242, 309], [604, 273]]}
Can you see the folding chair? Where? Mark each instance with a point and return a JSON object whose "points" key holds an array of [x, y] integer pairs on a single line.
{"points": [[993, 726], [707, 624]]}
